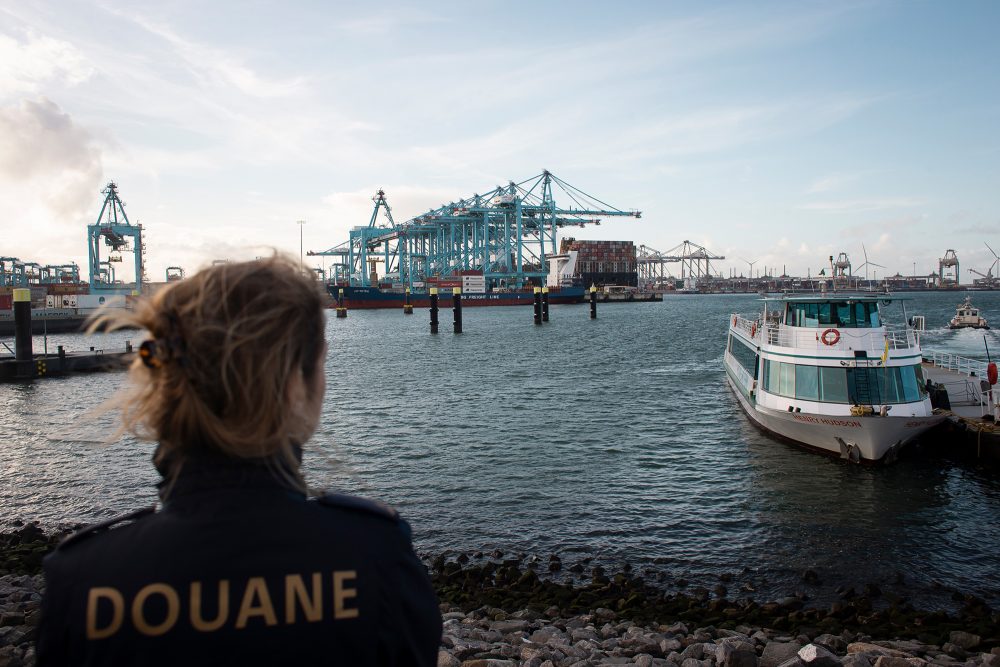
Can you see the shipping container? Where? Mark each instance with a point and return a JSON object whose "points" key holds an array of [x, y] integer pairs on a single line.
{"points": [[98, 300]]}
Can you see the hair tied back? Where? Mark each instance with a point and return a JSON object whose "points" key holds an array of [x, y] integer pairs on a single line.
{"points": [[157, 352]]}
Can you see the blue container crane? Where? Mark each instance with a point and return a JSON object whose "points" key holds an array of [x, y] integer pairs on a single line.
{"points": [[507, 234], [119, 235]]}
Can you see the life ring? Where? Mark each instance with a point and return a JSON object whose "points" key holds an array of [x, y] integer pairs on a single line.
{"points": [[991, 373], [753, 330], [734, 320], [830, 337]]}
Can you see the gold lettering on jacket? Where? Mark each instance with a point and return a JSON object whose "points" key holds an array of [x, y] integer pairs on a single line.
{"points": [[295, 589], [341, 592], [303, 596], [139, 604], [256, 588], [199, 623], [117, 612]]}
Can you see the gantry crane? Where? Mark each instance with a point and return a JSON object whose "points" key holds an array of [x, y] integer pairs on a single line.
{"points": [[948, 271], [987, 279], [507, 234], [120, 236], [695, 261]]}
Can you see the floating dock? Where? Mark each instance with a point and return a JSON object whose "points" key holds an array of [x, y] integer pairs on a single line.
{"points": [[22, 364], [63, 363], [972, 429]]}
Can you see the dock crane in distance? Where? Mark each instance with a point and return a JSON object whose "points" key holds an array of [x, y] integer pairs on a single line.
{"points": [[119, 235], [507, 234]]}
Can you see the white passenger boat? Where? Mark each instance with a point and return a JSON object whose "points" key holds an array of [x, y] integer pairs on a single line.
{"points": [[827, 373], [967, 317]]}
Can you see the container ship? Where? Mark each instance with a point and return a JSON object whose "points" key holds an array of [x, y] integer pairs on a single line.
{"points": [[471, 283], [60, 312]]}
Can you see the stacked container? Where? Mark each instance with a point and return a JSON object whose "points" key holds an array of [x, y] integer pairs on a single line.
{"points": [[603, 262]]}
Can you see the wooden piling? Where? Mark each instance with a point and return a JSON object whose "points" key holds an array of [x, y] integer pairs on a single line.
{"points": [[434, 310]]}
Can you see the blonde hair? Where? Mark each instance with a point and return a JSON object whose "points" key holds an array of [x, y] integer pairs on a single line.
{"points": [[214, 376]]}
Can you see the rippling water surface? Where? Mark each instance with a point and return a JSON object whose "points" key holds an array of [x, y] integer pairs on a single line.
{"points": [[615, 438]]}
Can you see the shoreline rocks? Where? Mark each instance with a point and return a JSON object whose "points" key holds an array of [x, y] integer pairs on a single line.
{"points": [[501, 611], [512, 584], [532, 639]]}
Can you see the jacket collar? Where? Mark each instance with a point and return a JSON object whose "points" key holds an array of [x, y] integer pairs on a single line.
{"points": [[210, 473]]}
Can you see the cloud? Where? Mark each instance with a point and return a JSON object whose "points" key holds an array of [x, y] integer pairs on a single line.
{"points": [[985, 229], [864, 204], [349, 209], [43, 150], [215, 67], [380, 24], [26, 66], [50, 176], [830, 183]]}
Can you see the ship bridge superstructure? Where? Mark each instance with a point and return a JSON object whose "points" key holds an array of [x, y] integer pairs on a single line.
{"points": [[507, 234], [829, 327]]}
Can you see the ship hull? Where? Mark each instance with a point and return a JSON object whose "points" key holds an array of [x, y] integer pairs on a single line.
{"points": [[867, 438], [373, 297], [62, 321]]}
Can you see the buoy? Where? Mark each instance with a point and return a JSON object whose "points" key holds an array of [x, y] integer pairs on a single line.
{"points": [[991, 373]]}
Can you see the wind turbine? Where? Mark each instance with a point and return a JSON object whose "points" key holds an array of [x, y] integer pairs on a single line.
{"points": [[867, 263], [750, 277]]}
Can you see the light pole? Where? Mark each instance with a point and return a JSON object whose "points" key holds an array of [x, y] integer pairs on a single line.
{"points": [[300, 223]]}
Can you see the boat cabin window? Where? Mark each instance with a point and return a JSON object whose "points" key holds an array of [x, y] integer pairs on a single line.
{"points": [[830, 384], [840, 314]]}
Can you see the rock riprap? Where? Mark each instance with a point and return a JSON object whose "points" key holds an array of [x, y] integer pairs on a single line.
{"points": [[491, 637], [499, 611]]}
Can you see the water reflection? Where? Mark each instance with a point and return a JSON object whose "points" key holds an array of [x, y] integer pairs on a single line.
{"points": [[616, 438]]}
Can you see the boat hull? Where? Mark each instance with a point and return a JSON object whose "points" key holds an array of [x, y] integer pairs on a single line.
{"points": [[868, 438], [63, 321], [373, 297]]}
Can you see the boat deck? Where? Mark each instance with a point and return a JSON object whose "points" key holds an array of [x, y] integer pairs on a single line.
{"points": [[971, 415]]}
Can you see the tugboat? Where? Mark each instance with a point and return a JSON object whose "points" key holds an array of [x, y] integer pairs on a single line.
{"points": [[967, 317], [826, 373]]}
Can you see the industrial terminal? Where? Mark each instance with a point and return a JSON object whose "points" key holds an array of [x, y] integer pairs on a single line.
{"points": [[497, 246]]}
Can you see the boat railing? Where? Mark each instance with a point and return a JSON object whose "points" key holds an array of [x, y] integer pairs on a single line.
{"points": [[748, 323], [872, 341], [972, 387], [953, 362]]}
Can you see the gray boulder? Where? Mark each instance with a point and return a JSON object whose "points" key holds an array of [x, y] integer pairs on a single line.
{"points": [[735, 653], [874, 650], [815, 655], [446, 659], [966, 640], [776, 653], [834, 643], [794, 661], [694, 651], [856, 660], [891, 661]]}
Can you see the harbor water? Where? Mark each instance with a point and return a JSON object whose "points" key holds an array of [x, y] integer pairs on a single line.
{"points": [[615, 439]]}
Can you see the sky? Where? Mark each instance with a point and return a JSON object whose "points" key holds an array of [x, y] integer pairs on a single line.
{"points": [[770, 132]]}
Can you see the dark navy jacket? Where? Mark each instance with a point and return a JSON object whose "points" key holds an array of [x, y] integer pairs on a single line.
{"points": [[237, 569]]}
